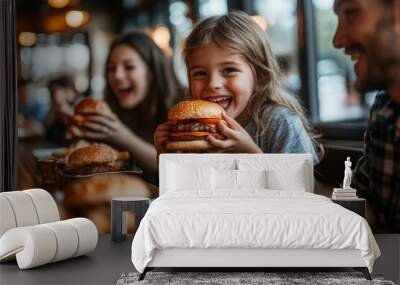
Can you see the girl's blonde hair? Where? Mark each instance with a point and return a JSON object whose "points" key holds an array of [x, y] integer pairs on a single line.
{"points": [[239, 33]]}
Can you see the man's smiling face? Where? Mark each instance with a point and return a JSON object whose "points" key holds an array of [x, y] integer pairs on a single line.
{"points": [[386, 48], [357, 26]]}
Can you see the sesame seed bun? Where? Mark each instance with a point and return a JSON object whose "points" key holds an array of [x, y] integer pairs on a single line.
{"points": [[92, 154], [195, 109], [90, 105]]}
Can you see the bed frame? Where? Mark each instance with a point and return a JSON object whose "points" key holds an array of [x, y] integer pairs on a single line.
{"points": [[246, 258], [242, 259]]}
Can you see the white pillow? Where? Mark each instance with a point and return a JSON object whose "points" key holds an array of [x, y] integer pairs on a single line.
{"points": [[251, 178], [201, 160], [224, 179], [235, 179], [293, 180], [282, 173], [182, 177]]}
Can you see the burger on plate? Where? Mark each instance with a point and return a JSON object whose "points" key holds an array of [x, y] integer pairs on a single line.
{"points": [[95, 158], [86, 107], [192, 121], [64, 153]]}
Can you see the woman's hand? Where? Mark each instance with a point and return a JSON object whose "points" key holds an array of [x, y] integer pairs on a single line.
{"points": [[107, 128], [237, 139], [161, 136]]}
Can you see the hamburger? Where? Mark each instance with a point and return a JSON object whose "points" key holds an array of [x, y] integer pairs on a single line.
{"points": [[95, 158], [86, 107], [63, 154], [192, 122]]}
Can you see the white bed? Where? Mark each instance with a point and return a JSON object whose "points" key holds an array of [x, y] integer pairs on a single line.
{"points": [[241, 210]]}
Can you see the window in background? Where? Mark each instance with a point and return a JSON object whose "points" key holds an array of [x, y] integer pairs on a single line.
{"points": [[42, 59], [208, 8], [128, 4], [338, 99], [53, 56], [278, 18], [168, 24], [181, 27]]}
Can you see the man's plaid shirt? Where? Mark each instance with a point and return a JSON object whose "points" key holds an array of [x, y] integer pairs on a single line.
{"points": [[377, 174]]}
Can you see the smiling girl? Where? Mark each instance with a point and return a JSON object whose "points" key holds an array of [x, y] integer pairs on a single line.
{"points": [[141, 86], [230, 62]]}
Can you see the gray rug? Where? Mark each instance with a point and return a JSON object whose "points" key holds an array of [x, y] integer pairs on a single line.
{"points": [[229, 278]]}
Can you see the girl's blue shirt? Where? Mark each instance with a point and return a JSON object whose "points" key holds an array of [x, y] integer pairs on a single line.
{"points": [[284, 133]]}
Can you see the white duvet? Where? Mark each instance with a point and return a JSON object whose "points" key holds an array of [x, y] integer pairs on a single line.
{"points": [[253, 218]]}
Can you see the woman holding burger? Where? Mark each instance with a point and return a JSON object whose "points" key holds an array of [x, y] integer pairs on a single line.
{"points": [[141, 86]]}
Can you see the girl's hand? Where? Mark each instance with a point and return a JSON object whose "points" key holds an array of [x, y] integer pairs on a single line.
{"points": [[161, 136], [237, 139], [107, 128]]}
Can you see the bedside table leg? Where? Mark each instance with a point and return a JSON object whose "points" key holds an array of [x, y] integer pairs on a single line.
{"points": [[139, 210], [118, 221], [119, 208]]}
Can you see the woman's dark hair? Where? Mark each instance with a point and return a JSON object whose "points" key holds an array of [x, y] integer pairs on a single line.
{"points": [[164, 87]]}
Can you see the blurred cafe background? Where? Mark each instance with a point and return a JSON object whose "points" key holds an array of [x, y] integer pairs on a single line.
{"points": [[63, 44]]}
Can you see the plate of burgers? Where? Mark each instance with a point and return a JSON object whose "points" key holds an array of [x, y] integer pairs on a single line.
{"points": [[94, 159]]}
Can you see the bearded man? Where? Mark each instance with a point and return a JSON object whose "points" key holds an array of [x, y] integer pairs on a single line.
{"points": [[369, 32]]}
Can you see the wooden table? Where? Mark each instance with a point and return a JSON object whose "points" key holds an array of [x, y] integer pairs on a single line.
{"points": [[28, 171]]}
